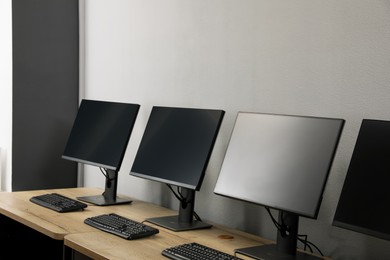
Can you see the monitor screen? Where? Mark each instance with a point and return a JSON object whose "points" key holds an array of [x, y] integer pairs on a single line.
{"points": [[364, 201], [279, 161], [99, 137], [176, 147]]}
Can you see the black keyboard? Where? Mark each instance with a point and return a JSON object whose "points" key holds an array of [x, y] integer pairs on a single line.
{"points": [[121, 226], [58, 202], [195, 251]]}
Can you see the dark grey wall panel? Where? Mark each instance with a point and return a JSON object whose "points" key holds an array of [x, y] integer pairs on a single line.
{"points": [[45, 92]]}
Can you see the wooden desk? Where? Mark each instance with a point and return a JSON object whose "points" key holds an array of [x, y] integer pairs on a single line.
{"points": [[16, 206], [23, 222], [102, 245], [99, 245], [69, 230]]}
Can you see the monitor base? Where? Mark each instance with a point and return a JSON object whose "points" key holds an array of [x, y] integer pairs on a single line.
{"points": [[100, 200], [269, 252], [172, 223]]}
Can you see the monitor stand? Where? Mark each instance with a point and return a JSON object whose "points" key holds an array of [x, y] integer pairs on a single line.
{"points": [[185, 220], [173, 223], [286, 243], [108, 197]]}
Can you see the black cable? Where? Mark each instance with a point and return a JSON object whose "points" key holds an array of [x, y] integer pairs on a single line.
{"points": [[181, 198], [197, 216], [306, 245], [309, 244], [181, 195], [304, 241], [104, 173], [276, 223], [316, 247], [281, 228]]}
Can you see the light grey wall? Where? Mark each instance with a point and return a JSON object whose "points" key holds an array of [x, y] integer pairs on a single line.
{"points": [[5, 94], [307, 57]]}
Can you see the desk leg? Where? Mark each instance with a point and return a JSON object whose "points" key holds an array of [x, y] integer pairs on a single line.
{"points": [[68, 253], [71, 254]]}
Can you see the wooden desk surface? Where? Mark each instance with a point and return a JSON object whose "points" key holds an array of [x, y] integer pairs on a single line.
{"points": [[102, 245], [17, 206], [97, 244]]}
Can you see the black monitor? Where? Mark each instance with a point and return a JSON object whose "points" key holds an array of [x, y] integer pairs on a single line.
{"points": [[175, 150], [281, 162], [364, 201], [99, 137]]}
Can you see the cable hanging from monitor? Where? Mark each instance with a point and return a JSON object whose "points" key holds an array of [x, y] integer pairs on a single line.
{"points": [[284, 229], [104, 172], [180, 197]]}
